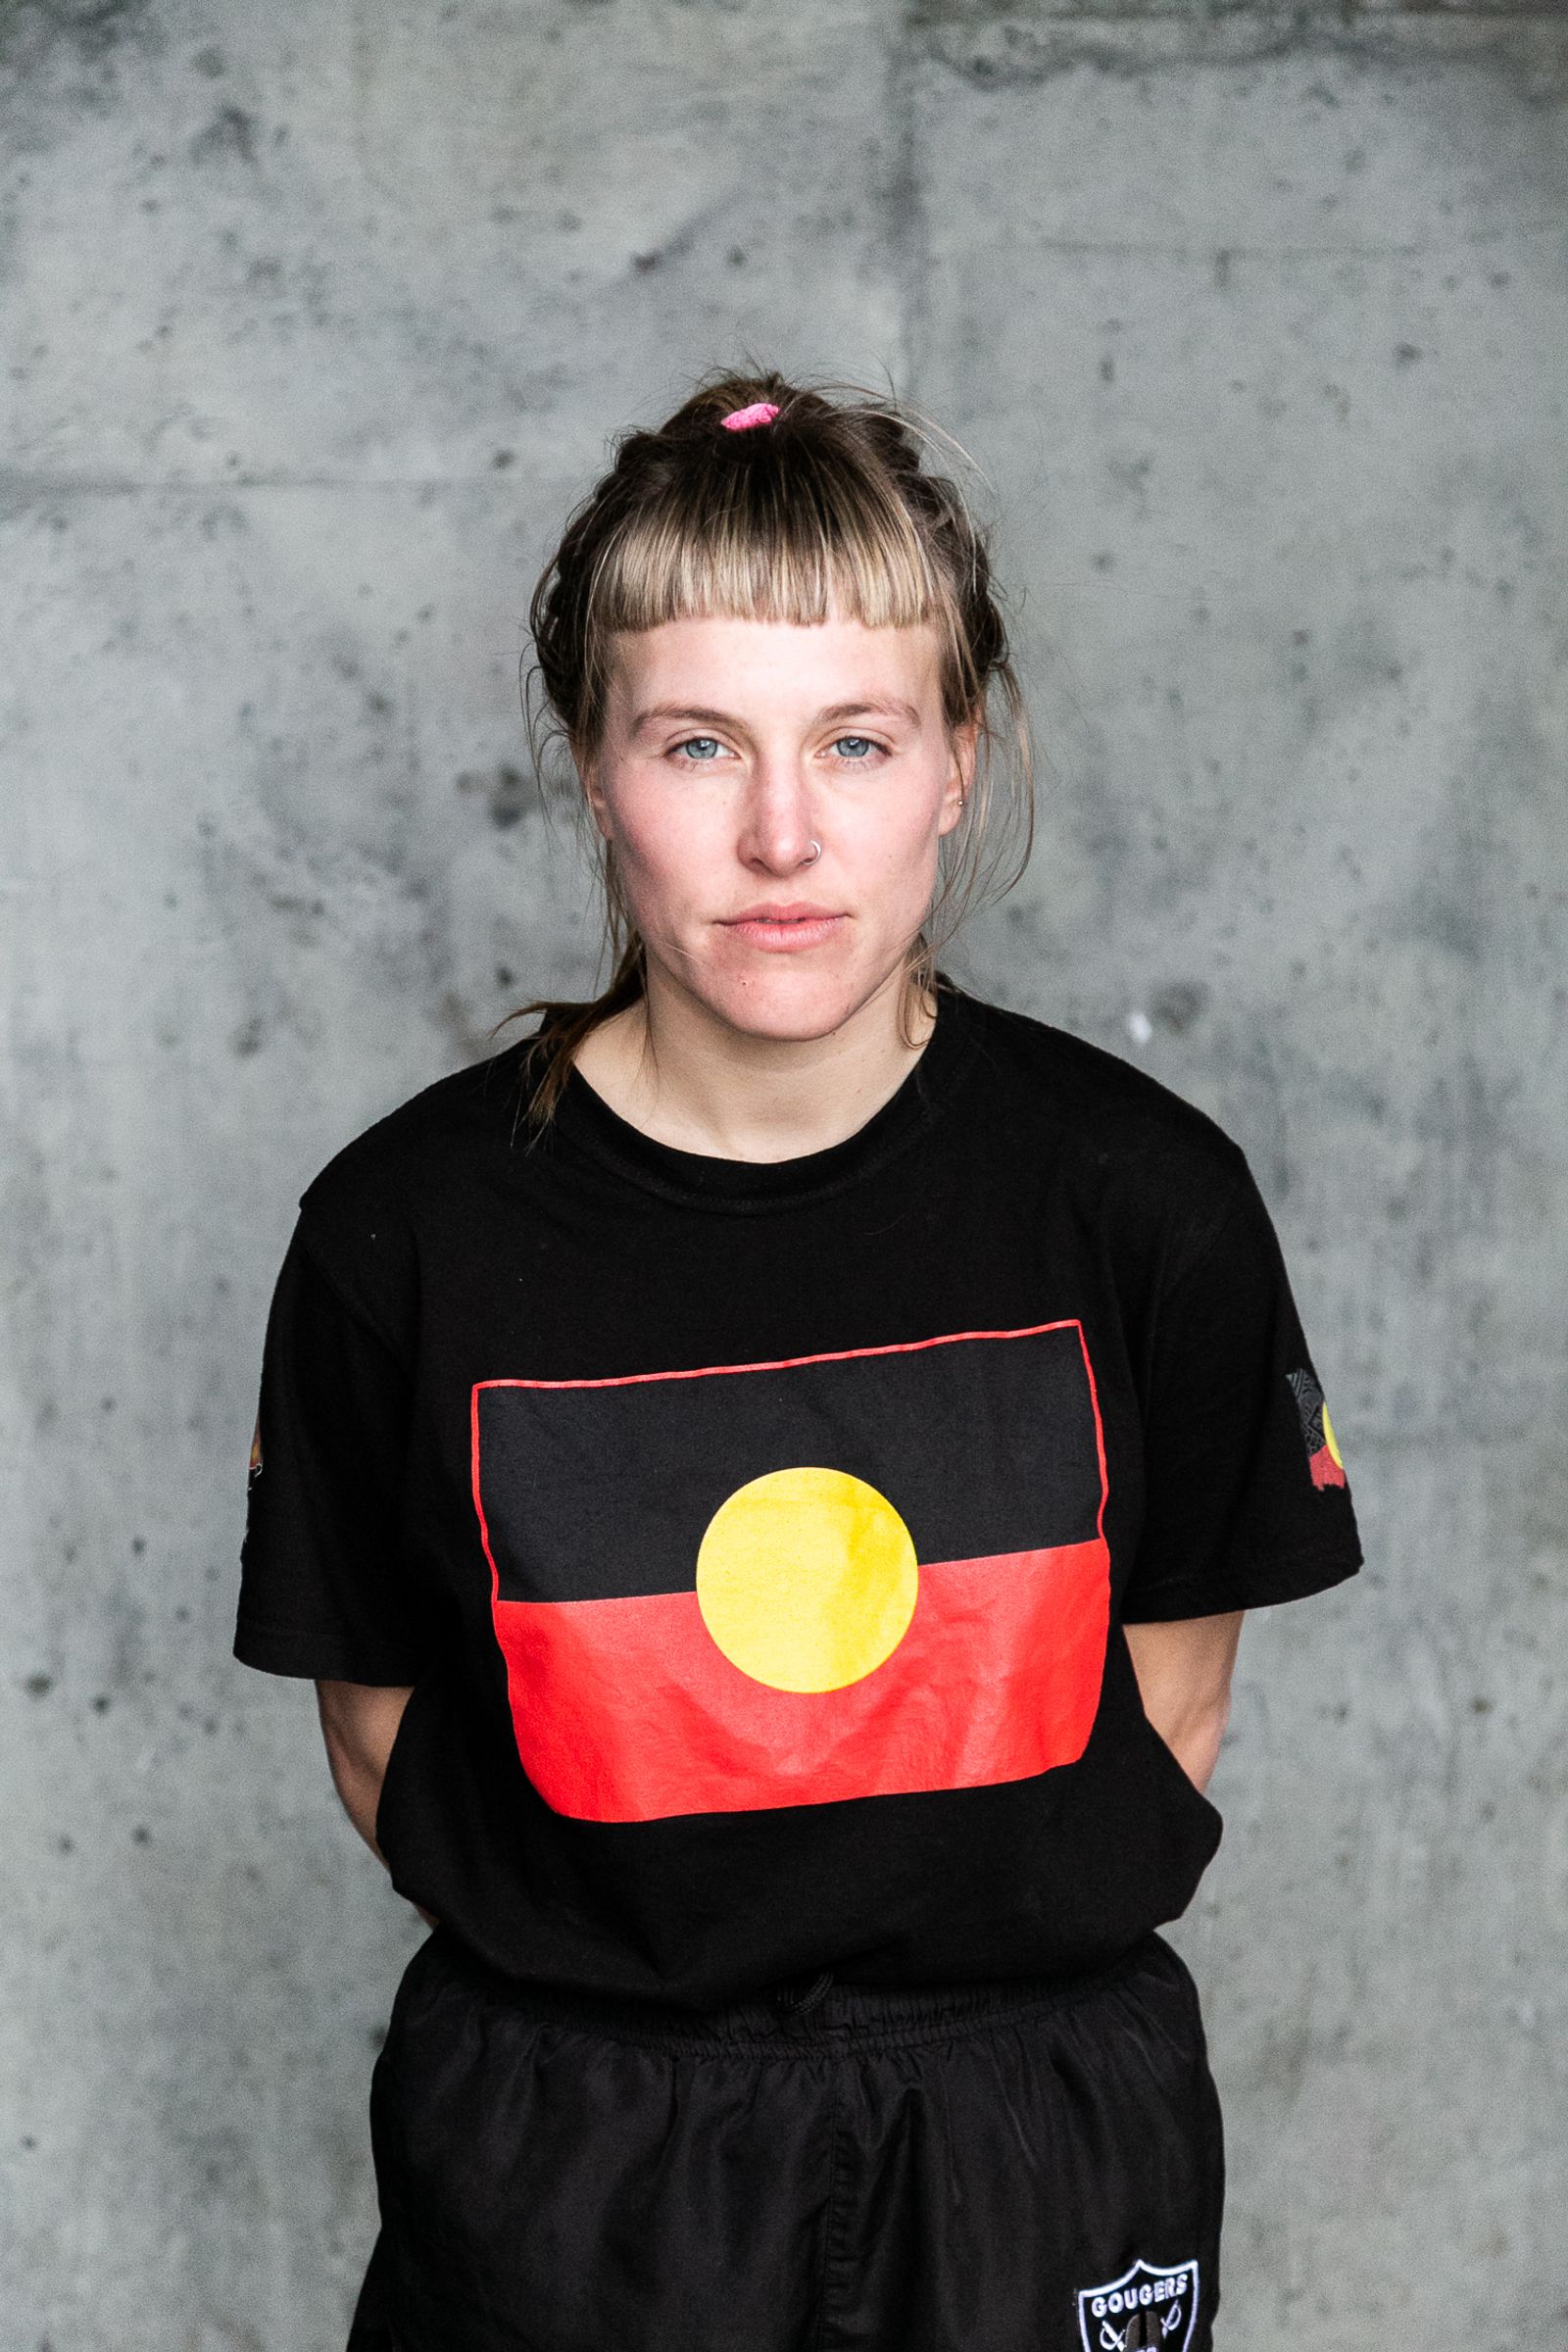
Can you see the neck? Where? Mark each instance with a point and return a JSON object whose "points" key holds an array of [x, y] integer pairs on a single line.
{"points": [[671, 1068]]}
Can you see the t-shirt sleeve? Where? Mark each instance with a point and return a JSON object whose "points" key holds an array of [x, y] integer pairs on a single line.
{"points": [[325, 1588], [1246, 1499]]}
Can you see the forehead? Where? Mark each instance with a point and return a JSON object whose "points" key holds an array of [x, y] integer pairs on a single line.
{"points": [[774, 665]]}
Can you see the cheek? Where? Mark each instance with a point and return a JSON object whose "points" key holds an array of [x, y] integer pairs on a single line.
{"points": [[669, 844], [897, 838]]}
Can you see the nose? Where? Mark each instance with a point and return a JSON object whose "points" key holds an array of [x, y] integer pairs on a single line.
{"points": [[777, 822]]}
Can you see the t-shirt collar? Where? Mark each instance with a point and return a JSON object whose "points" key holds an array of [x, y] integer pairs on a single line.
{"points": [[706, 1180]]}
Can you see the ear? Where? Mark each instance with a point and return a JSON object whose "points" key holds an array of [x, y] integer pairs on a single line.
{"points": [[965, 742], [593, 794]]}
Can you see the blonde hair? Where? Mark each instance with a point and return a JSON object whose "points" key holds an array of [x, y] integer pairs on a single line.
{"points": [[824, 511]]}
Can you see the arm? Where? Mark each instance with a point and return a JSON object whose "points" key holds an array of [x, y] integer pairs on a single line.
{"points": [[359, 1723], [1184, 1675]]}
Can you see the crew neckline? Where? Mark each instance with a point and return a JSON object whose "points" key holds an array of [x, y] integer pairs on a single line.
{"points": [[709, 1180]]}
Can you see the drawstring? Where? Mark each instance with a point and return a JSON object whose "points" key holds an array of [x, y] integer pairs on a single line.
{"points": [[796, 2004]]}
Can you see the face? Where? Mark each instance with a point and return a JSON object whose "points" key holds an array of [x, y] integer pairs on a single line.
{"points": [[730, 747]]}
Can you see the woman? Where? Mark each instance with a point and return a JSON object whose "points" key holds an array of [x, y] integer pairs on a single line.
{"points": [[766, 1472]]}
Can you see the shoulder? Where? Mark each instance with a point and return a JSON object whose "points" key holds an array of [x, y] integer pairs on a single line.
{"points": [[1099, 1111], [395, 1157], [1150, 1182], [361, 1214]]}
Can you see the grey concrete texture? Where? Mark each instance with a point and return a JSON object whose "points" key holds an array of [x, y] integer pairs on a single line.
{"points": [[317, 322]]}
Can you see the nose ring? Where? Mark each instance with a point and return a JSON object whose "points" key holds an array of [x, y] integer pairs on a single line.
{"points": [[817, 851]]}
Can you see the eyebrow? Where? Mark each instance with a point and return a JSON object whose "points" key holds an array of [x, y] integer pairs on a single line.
{"points": [[875, 707]]}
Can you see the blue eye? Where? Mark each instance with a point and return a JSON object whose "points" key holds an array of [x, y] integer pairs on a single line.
{"points": [[701, 750]]}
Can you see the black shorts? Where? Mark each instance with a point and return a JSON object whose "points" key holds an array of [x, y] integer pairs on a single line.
{"points": [[1014, 2166]]}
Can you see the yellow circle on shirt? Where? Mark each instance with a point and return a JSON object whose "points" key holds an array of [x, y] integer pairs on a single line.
{"points": [[807, 1579]]}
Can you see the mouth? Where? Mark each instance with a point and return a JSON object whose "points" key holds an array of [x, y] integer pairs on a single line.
{"points": [[786, 928]]}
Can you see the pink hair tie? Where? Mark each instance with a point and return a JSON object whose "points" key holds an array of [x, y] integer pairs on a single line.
{"points": [[740, 420]]}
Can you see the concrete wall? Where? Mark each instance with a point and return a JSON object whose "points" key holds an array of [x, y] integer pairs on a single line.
{"points": [[317, 320]]}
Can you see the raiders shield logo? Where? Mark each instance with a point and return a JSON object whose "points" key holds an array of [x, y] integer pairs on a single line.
{"points": [[1147, 2305]]}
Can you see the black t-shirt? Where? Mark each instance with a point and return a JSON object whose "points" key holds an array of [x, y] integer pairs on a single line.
{"points": [[756, 1537]]}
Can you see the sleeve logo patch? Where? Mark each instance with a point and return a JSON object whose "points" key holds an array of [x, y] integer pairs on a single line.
{"points": [[1322, 1450], [1147, 2305]]}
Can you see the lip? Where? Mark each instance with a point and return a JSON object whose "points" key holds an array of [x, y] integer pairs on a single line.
{"points": [[782, 910], [784, 929]]}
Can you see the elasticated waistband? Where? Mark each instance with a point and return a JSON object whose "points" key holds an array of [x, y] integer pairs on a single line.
{"points": [[794, 2018]]}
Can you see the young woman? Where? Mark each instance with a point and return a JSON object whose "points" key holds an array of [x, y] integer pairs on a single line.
{"points": [[767, 1472]]}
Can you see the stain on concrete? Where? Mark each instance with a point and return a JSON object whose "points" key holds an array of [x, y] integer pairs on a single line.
{"points": [[1131, 474], [1282, 2059], [89, 29], [1176, 1008], [996, 47], [125, 1620], [1005, 44], [64, 64], [469, 1028], [231, 133], [508, 792]]}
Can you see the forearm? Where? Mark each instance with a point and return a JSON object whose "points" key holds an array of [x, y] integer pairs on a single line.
{"points": [[1194, 1737], [1184, 1678], [359, 1724]]}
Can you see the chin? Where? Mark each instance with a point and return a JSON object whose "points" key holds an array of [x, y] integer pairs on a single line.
{"points": [[791, 1006]]}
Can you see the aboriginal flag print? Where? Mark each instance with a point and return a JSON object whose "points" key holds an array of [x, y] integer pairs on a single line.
{"points": [[1322, 1450], [848, 1575]]}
